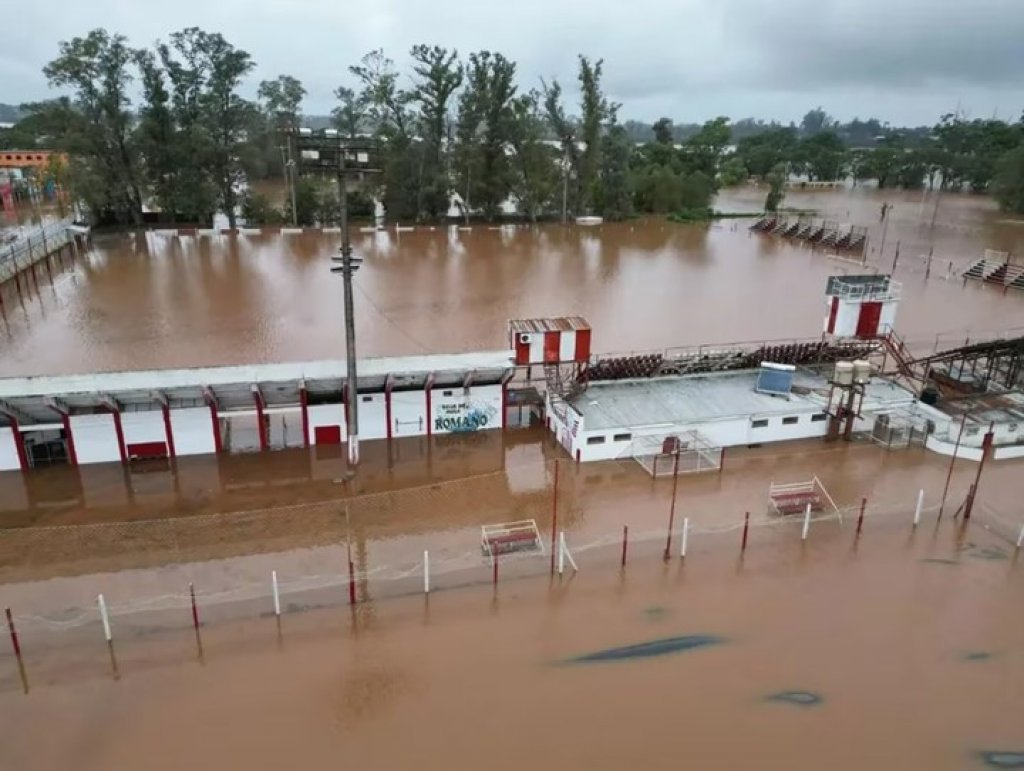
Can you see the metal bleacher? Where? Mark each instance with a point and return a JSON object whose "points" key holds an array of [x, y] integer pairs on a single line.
{"points": [[995, 268]]}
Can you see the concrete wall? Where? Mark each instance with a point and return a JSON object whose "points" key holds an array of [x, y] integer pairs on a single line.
{"points": [[455, 410], [936, 444], [9, 450], [327, 415], [144, 427], [95, 438], [373, 421], [408, 413], [1013, 451], [192, 428], [733, 432]]}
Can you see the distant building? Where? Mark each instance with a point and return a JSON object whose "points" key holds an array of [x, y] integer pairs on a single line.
{"points": [[27, 159]]}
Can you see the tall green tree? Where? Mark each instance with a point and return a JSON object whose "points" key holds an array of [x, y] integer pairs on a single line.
{"points": [[438, 74], [597, 113], [704, 150], [483, 167], [614, 196], [776, 188], [535, 175], [349, 115], [96, 124], [1008, 182]]}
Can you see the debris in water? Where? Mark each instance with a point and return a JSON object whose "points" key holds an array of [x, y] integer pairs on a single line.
{"points": [[655, 613], [1002, 759], [940, 561], [662, 647], [977, 656], [799, 698]]}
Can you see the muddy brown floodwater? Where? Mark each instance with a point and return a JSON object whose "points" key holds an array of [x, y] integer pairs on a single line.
{"points": [[900, 649], [141, 302]]}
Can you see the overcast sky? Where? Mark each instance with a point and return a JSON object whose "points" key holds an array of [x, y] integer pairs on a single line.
{"points": [[905, 61]]}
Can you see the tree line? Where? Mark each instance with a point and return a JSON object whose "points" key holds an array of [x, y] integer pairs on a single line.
{"points": [[166, 128]]}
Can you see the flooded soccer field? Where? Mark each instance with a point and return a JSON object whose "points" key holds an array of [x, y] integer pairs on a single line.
{"points": [[900, 648], [139, 302], [896, 649]]}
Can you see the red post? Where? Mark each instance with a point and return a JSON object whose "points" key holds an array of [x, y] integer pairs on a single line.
{"points": [[672, 507], [69, 439], [168, 431], [195, 610], [14, 633], [625, 540], [119, 430], [721, 460], [860, 517], [35, 279], [351, 583], [304, 402], [261, 423], [986, 445], [746, 531], [554, 517], [494, 561]]}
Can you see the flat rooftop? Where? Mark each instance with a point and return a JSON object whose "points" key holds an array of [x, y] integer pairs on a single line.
{"points": [[232, 386], [711, 397]]}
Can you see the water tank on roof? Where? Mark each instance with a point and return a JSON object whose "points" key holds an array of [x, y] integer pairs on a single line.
{"points": [[862, 371], [843, 373], [775, 378]]}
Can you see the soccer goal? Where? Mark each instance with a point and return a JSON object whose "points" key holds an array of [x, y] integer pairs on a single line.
{"points": [[794, 497], [511, 538], [657, 454]]}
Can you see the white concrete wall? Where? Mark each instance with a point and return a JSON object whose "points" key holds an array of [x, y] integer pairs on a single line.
{"points": [[409, 409], [936, 444], [192, 428], [480, 407], [1013, 451], [9, 450], [326, 415], [888, 320], [95, 438], [373, 420], [144, 427]]}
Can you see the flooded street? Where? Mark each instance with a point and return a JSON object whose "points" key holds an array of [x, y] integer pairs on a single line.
{"points": [[894, 647], [161, 301]]}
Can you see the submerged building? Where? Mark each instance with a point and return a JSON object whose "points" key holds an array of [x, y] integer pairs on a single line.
{"points": [[688, 404]]}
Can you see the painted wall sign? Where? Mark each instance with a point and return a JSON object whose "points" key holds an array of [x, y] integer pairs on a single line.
{"points": [[463, 416]]}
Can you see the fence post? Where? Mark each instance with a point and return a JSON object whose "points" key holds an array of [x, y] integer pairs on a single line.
{"points": [[807, 522], [860, 517], [426, 572], [625, 540], [277, 594], [685, 537], [561, 552], [746, 530], [917, 509], [494, 560]]}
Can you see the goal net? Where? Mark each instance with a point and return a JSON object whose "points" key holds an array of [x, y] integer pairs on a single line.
{"points": [[658, 455]]}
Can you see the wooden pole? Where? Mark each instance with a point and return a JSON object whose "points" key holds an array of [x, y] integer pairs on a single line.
{"points": [[672, 507], [625, 540], [554, 516], [746, 531], [952, 461], [985, 445], [17, 649], [860, 517]]}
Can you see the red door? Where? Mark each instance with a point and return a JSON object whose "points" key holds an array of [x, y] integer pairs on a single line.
{"points": [[327, 434], [552, 344], [867, 322]]}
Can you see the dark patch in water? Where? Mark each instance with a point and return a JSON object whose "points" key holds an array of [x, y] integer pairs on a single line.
{"points": [[940, 561], [991, 553], [655, 613], [977, 656], [997, 759], [799, 698], [662, 647]]}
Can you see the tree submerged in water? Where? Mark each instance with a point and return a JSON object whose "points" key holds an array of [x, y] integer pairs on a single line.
{"points": [[776, 180]]}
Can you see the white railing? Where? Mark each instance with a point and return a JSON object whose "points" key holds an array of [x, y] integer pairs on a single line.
{"points": [[32, 247]]}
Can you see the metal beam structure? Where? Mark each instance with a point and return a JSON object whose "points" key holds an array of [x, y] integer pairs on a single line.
{"points": [[977, 366]]}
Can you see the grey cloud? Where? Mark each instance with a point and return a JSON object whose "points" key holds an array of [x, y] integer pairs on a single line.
{"points": [[906, 61]]}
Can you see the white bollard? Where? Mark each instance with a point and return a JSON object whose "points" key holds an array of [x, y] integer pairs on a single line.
{"points": [[426, 572], [105, 618], [1020, 538], [561, 552], [686, 533], [807, 522], [920, 505], [277, 594]]}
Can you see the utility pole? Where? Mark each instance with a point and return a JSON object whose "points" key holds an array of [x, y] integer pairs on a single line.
{"points": [[289, 176], [328, 153], [349, 265]]}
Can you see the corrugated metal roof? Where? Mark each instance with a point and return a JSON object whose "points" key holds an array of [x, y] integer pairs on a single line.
{"points": [[705, 398], [560, 324]]}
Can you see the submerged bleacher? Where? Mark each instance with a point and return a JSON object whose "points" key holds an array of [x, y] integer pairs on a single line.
{"points": [[996, 268], [827, 233]]}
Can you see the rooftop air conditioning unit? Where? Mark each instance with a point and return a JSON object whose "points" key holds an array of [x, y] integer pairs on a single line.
{"points": [[524, 338]]}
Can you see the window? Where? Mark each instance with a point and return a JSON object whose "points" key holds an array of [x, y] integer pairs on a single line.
{"points": [[973, 431], [39, 157], [622, 437], [818, 417], [595, 440], [1012, 427], [367, 398], [17, 157], [763, 423], [446, 393], [790, 421]]}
